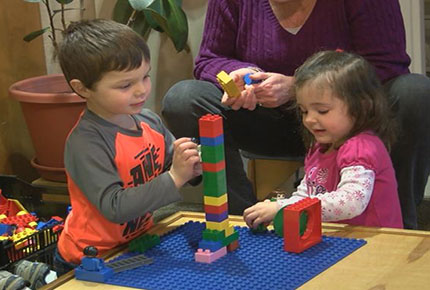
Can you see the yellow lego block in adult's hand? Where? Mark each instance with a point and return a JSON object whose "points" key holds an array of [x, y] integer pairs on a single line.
{"points": [[228, 84]]}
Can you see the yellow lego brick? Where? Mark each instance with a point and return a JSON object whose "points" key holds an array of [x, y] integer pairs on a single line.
{"points": [[21, 235], [215, 201], [218, 226], [229, 231], [228, 84]]}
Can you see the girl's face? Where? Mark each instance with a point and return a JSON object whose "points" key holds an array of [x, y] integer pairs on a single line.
{"points": [[120, 93], [324, 114]]}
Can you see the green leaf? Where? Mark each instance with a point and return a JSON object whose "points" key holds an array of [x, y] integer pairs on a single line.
{"points": [[64, 1], [122, 11], [177, 24], [162, 15], [157, 8], [139, 5], [32, 1], [157, 22], [29, 37]]}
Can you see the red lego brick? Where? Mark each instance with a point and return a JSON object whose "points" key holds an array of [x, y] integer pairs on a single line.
{"points": [[9, 207], [233, 246], [213, 167], [293, 242], [210, 126], [19, 220], [216, 209]]}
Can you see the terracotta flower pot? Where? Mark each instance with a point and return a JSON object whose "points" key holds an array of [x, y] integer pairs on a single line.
{"points": [[50, 109]]}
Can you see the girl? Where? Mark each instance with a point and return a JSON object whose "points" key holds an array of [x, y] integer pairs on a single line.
{"points": [[346, 125]]}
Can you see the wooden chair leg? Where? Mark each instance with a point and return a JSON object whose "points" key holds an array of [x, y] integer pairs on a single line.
{"points": [[267, 175]]}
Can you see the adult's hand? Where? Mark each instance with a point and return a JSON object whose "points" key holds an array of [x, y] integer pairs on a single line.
{"points": [[274, 90], [247, 98]]}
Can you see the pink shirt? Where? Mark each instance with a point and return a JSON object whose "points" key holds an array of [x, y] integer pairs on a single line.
{"points": [[343, 180]]}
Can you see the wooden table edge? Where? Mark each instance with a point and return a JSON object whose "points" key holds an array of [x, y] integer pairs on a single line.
{"points": [[164, 224]]}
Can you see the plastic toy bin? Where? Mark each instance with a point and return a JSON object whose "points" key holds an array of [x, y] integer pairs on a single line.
{"points": [[39, 246]]}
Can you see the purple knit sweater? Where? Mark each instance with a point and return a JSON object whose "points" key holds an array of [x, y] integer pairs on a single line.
{"points": [[242, 33]]}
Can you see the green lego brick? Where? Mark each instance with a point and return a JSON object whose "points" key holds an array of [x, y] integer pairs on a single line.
{"points": [[143, 243], [262, 228], [278, 222], [213, 235], [214, 183], [212, 154], [231, 238]]}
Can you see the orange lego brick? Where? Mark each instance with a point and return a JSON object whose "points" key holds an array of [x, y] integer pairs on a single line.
{"points": [[216, 208], [210, 126], [293, 241], [213, 167]]}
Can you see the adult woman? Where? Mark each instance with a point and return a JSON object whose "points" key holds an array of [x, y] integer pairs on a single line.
{"points": [[275, 37]]}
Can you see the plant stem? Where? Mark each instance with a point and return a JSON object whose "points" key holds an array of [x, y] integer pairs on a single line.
{"points": [[51, 23], [132, 18], [63, 21], [81, 5]]}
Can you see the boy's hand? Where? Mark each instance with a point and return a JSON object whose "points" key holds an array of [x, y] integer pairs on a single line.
{"points": [[261, 212], [186, 161]]}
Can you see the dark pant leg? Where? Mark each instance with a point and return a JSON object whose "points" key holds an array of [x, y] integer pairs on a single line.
{"points": [[410, 95], [256, 131], [60, 266]]}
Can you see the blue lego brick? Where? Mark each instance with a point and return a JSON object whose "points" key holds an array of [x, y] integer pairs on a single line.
{"points": [[4, 228], [247, 80], [94, 276], [263, 254], [215, 217], [48, 224], [207, 141], [210, 245]]}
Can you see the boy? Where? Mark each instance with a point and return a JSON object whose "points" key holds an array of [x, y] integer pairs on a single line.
{"points": [[121, 161]]}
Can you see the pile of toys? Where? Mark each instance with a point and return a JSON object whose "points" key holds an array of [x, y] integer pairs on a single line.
{"points": [[25, 238], [17, 224]]}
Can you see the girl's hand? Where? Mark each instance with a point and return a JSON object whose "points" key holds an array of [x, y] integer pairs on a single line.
{"points": [[247, 99], [274, 90], [261, 212], [186, 161]]}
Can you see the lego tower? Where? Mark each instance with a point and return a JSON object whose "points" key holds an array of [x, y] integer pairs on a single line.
{"points": [[219, 236]]}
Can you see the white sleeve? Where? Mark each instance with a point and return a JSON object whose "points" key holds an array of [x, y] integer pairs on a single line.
{"points": [[349, 200], [301, 193], [351, 197]]}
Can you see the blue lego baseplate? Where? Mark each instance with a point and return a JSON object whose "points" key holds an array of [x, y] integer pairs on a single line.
{"points": [[259, 263]]}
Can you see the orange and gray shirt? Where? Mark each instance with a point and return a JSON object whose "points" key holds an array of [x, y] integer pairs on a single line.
{"points": [[116, 179]]}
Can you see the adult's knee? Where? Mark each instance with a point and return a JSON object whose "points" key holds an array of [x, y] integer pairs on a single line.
{"points": [[186, 101], [410, 95], [412, 92], [177, 97], [191, 96]]}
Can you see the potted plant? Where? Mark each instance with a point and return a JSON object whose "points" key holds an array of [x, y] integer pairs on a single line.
{"points": [[49, 106]]}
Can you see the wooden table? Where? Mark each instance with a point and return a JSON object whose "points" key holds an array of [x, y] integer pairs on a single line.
{"points": [[391, 259]]}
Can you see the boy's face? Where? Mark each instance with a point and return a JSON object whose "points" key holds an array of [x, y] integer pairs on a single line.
{"points": [[120, 93], [324, 114]]}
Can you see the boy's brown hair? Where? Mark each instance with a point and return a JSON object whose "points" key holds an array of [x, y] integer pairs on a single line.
{"points": [[91, 48], [351, 78]]}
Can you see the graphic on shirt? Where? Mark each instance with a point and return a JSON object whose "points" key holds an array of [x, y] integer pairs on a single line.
{"points": [[136, 224], [315, 181], [148, 168]]}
